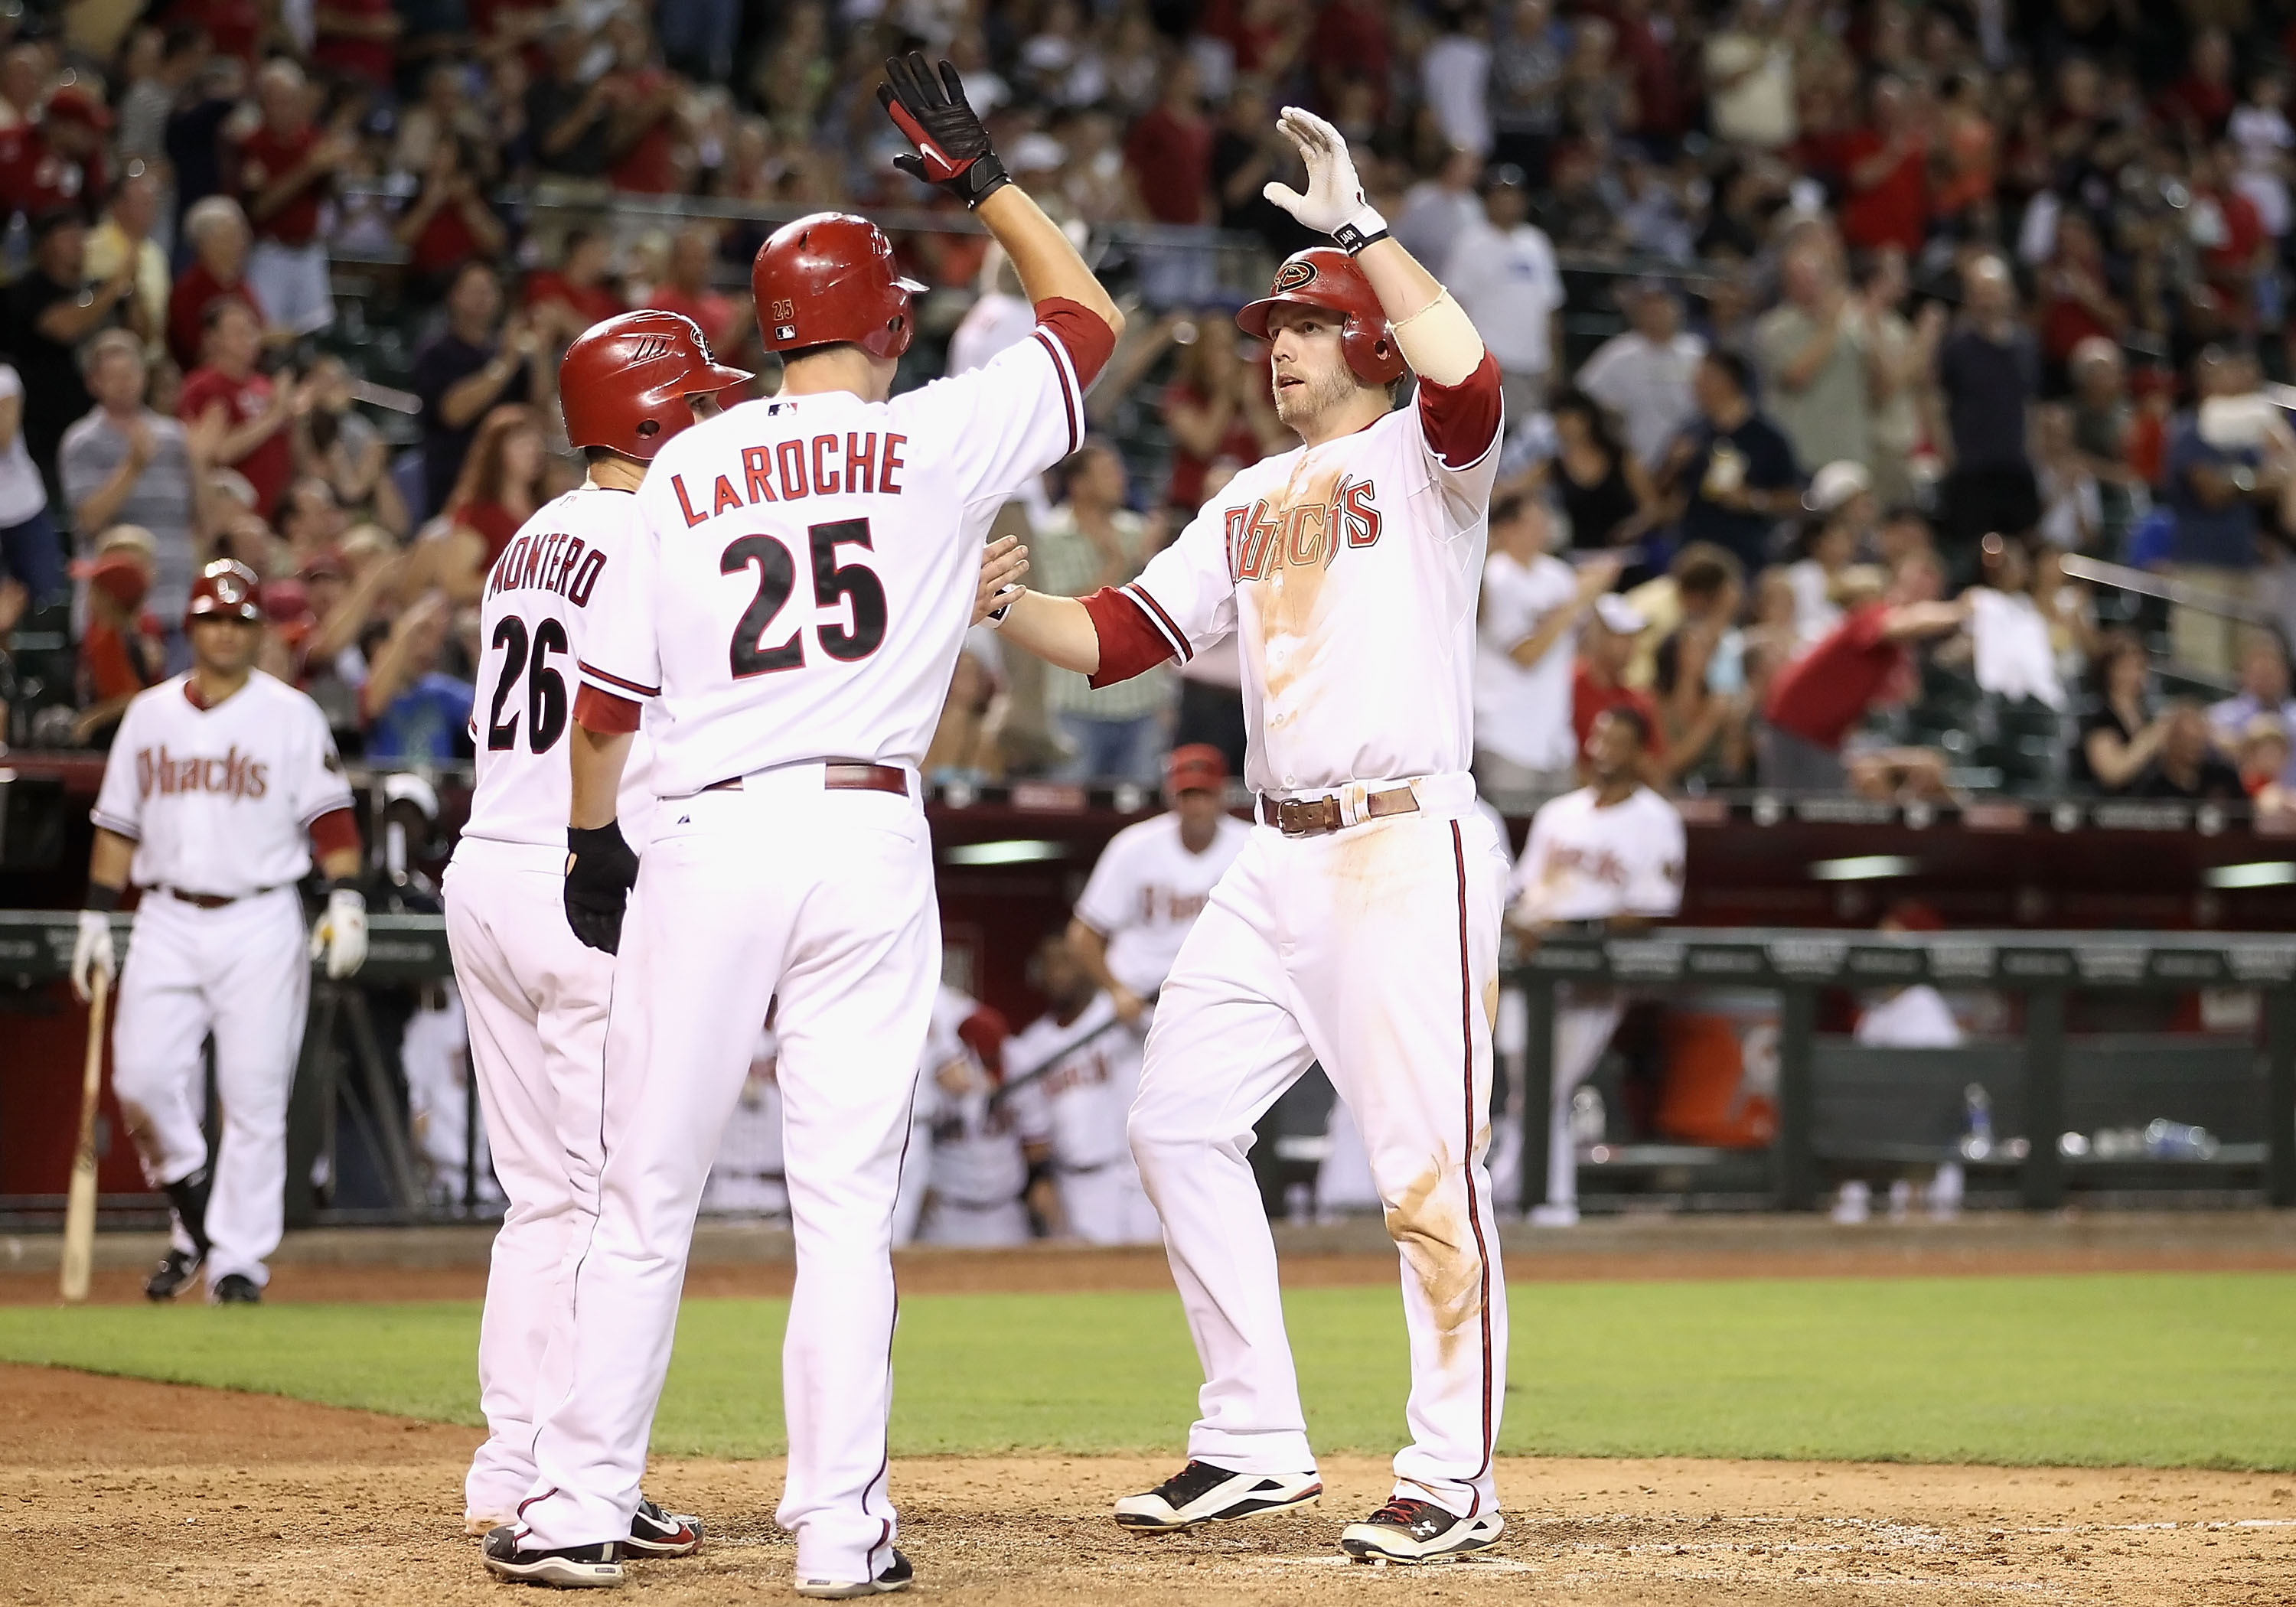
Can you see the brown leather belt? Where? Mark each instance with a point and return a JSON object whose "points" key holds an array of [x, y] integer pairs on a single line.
{"points": [[843, 775], [1318, 816], [212, 900]]}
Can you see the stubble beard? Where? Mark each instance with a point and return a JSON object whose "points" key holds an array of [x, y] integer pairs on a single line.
{"points": [[1301, 408]]}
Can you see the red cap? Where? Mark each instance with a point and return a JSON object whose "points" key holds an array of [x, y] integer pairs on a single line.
{"points": [[120, 579], [1197, 767], [73, 101], [1325, 276], [829, 278], [228, 588], [623, 382]]}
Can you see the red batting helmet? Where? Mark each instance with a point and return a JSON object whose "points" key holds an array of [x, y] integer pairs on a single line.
{"points": [[1326, 278], [624, 383], [829, 278], [226, 589]]}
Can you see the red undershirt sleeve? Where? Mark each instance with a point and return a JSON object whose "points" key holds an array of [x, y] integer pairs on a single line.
{"points": [[1461, 421], [336, 830], [603, 714], [1129, 642], [1087, 341]]}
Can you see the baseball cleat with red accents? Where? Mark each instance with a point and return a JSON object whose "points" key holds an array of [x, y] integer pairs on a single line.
{"points": [[1200, 1493], [567, 1568], [655, 1533], [1406, 1530]]}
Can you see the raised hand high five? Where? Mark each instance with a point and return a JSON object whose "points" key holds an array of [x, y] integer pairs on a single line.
{"points": [[952, 146]]}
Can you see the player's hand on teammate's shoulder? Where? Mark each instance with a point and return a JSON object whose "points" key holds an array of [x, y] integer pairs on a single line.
{"points": [[1004, 564]]}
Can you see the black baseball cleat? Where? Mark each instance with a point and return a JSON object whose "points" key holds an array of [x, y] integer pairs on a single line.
{"points": [[655, 1533], [1200, 1493], [897, 1576], [177, 1272], [1406, 1530], [235, 1289], [568, 1568]]}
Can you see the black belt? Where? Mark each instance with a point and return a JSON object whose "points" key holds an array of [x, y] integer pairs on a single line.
{"points": [[213, 900], [1319, 817], [843, 775]]}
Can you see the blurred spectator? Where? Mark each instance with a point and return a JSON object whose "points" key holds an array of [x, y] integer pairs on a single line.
{"points": [[2264, 690], [2011, 655], [1170, 152], [1987, 376], [58, 160], [2077, 305], [1817, 358], [469, 366], [1526, 85], [120, 652], [1886, 162], [217, 230], [1840, 501], [2186, 766], [1816, 702], [1730, 476], [122, 244], [338, 444], [237, 415], [1249, 153], [686, 289], [1703, 586], [2259, 130], [450, 221], [2119, 736], [1092, 540], [414, 712], [2102, 420], [1455, 70], [1644, 375], [194, 137], [1525, 646], [156, 66], [353, 38], [1898, 370], [2263, 755], [51, 310], [1438, 209], [286, 166], [570, 110], [1749, 77], [647, 154], [2230, 453], [31, 554], [1606, 645], [1502, 270], [500, 487], [1216, 405], [1602, 488], [569, 298], [2072, 504], [123, 463]]}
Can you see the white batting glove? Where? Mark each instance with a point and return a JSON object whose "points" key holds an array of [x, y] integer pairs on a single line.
{"points": [[1334, 202], [340, 934], [91, 953]]}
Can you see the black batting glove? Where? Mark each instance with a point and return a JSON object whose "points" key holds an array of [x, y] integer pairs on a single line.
{"points": [[598, 876], [952, 146]]}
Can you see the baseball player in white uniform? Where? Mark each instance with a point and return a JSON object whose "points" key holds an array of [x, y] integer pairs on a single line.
{"points": [[221, 783], [537, 999], [803, 570], [1359, 926], [1607, 858], [1080, 1064], [983, 1145]]}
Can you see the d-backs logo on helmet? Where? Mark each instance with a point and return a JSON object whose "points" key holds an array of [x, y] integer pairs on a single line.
{"points": [[228, 590], [1295, 273], [1326, 278]]}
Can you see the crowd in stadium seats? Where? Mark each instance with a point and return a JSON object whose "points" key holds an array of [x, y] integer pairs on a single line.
{"points": [[1829, 331]]}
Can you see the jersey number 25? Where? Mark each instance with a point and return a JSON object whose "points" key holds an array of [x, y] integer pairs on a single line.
{"points": [[832, 583]]}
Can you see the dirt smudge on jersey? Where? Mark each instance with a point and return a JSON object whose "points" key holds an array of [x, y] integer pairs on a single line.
{"points": [[1431, 1230], [1289, 601], [1491, 1003]]}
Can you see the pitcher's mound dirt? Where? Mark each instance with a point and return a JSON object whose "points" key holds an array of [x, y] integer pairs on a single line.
{"points": [[119, 1491]]}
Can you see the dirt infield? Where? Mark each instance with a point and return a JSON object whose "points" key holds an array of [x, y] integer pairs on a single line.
{"points": [[119, 1491]]}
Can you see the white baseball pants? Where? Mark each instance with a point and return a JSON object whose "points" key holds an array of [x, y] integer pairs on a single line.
{"points": [[1106, 1205], [1374, 950], [535, 1000], [824, 900], [242, 973], [1584, 1021]]}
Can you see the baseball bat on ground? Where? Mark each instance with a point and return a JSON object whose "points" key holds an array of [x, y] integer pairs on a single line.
{"points": [[79, 1212]]}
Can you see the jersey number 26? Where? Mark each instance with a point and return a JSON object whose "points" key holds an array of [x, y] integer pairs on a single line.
{"points": [[833, 582], [546, 688]]}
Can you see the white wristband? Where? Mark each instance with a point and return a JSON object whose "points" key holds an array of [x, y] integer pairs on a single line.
{"points": [[1360, 229]]}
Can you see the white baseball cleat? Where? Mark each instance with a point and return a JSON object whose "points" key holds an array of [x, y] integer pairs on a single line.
{"points": [[1200, 1493], [1406, 1530], [897, 1576]]}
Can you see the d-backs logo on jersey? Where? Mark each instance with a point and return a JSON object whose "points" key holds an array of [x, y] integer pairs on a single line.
{"points": [[1164, 906], [1304, 527], [234, 774]]}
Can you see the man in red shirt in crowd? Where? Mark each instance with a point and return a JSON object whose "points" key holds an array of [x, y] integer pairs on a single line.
{"points": [[1169, 153], [645, 156], [1816, 700], [238, 415], [217, 231], [284, 167], [685, 289], [58, 161], [1887, 165], [1597, 683], [569, 299], [354, 39]]}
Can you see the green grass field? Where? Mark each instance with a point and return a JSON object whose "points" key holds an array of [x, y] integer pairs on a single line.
{"points": [[2160, 1370]]}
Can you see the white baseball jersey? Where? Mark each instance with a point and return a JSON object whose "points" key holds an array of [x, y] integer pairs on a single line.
{"points": [[1522, 713], [1147, 889], [1587, 863], [977, 1156], [1087, 1083], [1349, 571], [534, 618], [220, 800], [805, 566]]}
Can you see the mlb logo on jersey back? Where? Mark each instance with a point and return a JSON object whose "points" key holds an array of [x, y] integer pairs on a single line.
{"points": [[1300, 534]]}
